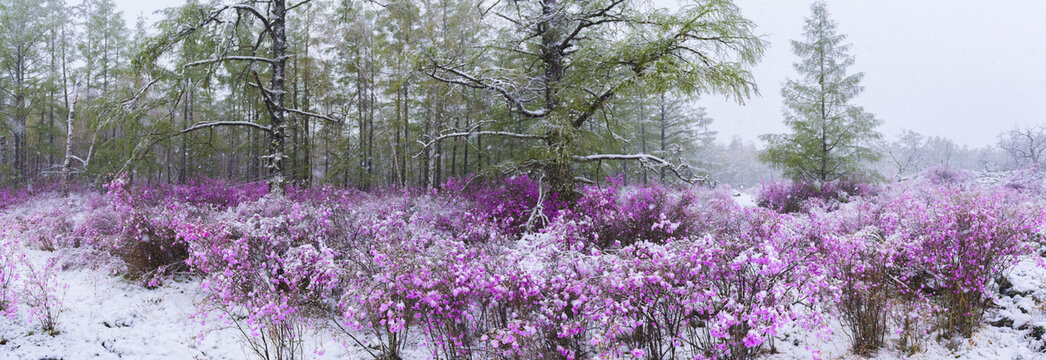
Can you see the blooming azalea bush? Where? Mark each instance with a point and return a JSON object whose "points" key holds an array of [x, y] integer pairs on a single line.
{"points": [[864, 264], [9, 277], [793, 196], [960, 241], [509, 203], [653, 273], [42, 294], [616, 218], [267, 267], [921, 258], [945, 175]]}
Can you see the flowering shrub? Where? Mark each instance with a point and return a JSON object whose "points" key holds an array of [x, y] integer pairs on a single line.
{"points": [[624, 272], [945, 175], [49, 230], [267, 263], [789, 197], [861, 261], [921, 258], [510, 202], [203, 192], [42, 295], [964, 240], [9, 259], [721, 295], [1029, 181], [614, 218]]}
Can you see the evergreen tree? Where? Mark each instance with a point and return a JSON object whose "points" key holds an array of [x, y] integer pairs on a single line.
{"points": [[830, 137]]}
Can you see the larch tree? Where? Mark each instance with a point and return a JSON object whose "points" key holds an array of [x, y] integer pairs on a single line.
{"points": [[559, 63], [831, 138], [21, 45]]}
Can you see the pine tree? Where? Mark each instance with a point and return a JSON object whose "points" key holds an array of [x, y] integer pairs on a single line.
{"points": [[831, 138]]}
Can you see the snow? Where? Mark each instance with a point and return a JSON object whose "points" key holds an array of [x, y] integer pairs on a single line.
{"points": [[745, 199], [107, 317], [989, 342]]}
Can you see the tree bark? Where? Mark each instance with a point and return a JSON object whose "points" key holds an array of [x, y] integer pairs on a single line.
{"points": [[68, 162]]}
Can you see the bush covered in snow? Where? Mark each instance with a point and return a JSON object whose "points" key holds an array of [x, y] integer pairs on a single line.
{"points": [[795, 196]]}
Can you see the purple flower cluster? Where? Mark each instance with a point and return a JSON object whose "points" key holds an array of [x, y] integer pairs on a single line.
{"points": [[794, 196]]}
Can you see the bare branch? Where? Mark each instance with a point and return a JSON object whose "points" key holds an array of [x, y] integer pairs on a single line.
{"points": [[292, 7], [253, 10]]}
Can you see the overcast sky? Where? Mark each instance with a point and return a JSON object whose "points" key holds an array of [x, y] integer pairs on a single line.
{"points": [[963, 69]]}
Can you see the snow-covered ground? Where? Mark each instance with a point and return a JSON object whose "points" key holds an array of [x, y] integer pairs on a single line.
{"points": [[104, 316], [1013, 330], [107, 317], [744, 199]]}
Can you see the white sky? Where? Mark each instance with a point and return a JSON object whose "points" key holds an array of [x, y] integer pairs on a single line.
{"points": [[963, 69]]}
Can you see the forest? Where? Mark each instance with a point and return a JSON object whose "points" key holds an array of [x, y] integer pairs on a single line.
{"points": [[488, 179]]}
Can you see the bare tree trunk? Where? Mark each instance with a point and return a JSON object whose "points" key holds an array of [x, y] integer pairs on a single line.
{"points": [[454, 152], [183, 152]]}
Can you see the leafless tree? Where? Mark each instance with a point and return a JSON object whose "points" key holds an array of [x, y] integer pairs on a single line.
{"points": [[1025, 144]]}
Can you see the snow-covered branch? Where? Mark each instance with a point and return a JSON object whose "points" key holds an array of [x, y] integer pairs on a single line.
{"points": [[127, 104], [641, 157], [487, 84], [426, 145], [230, 58], [210, 124], [646, 159], [311, 114], [77, 158]]}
